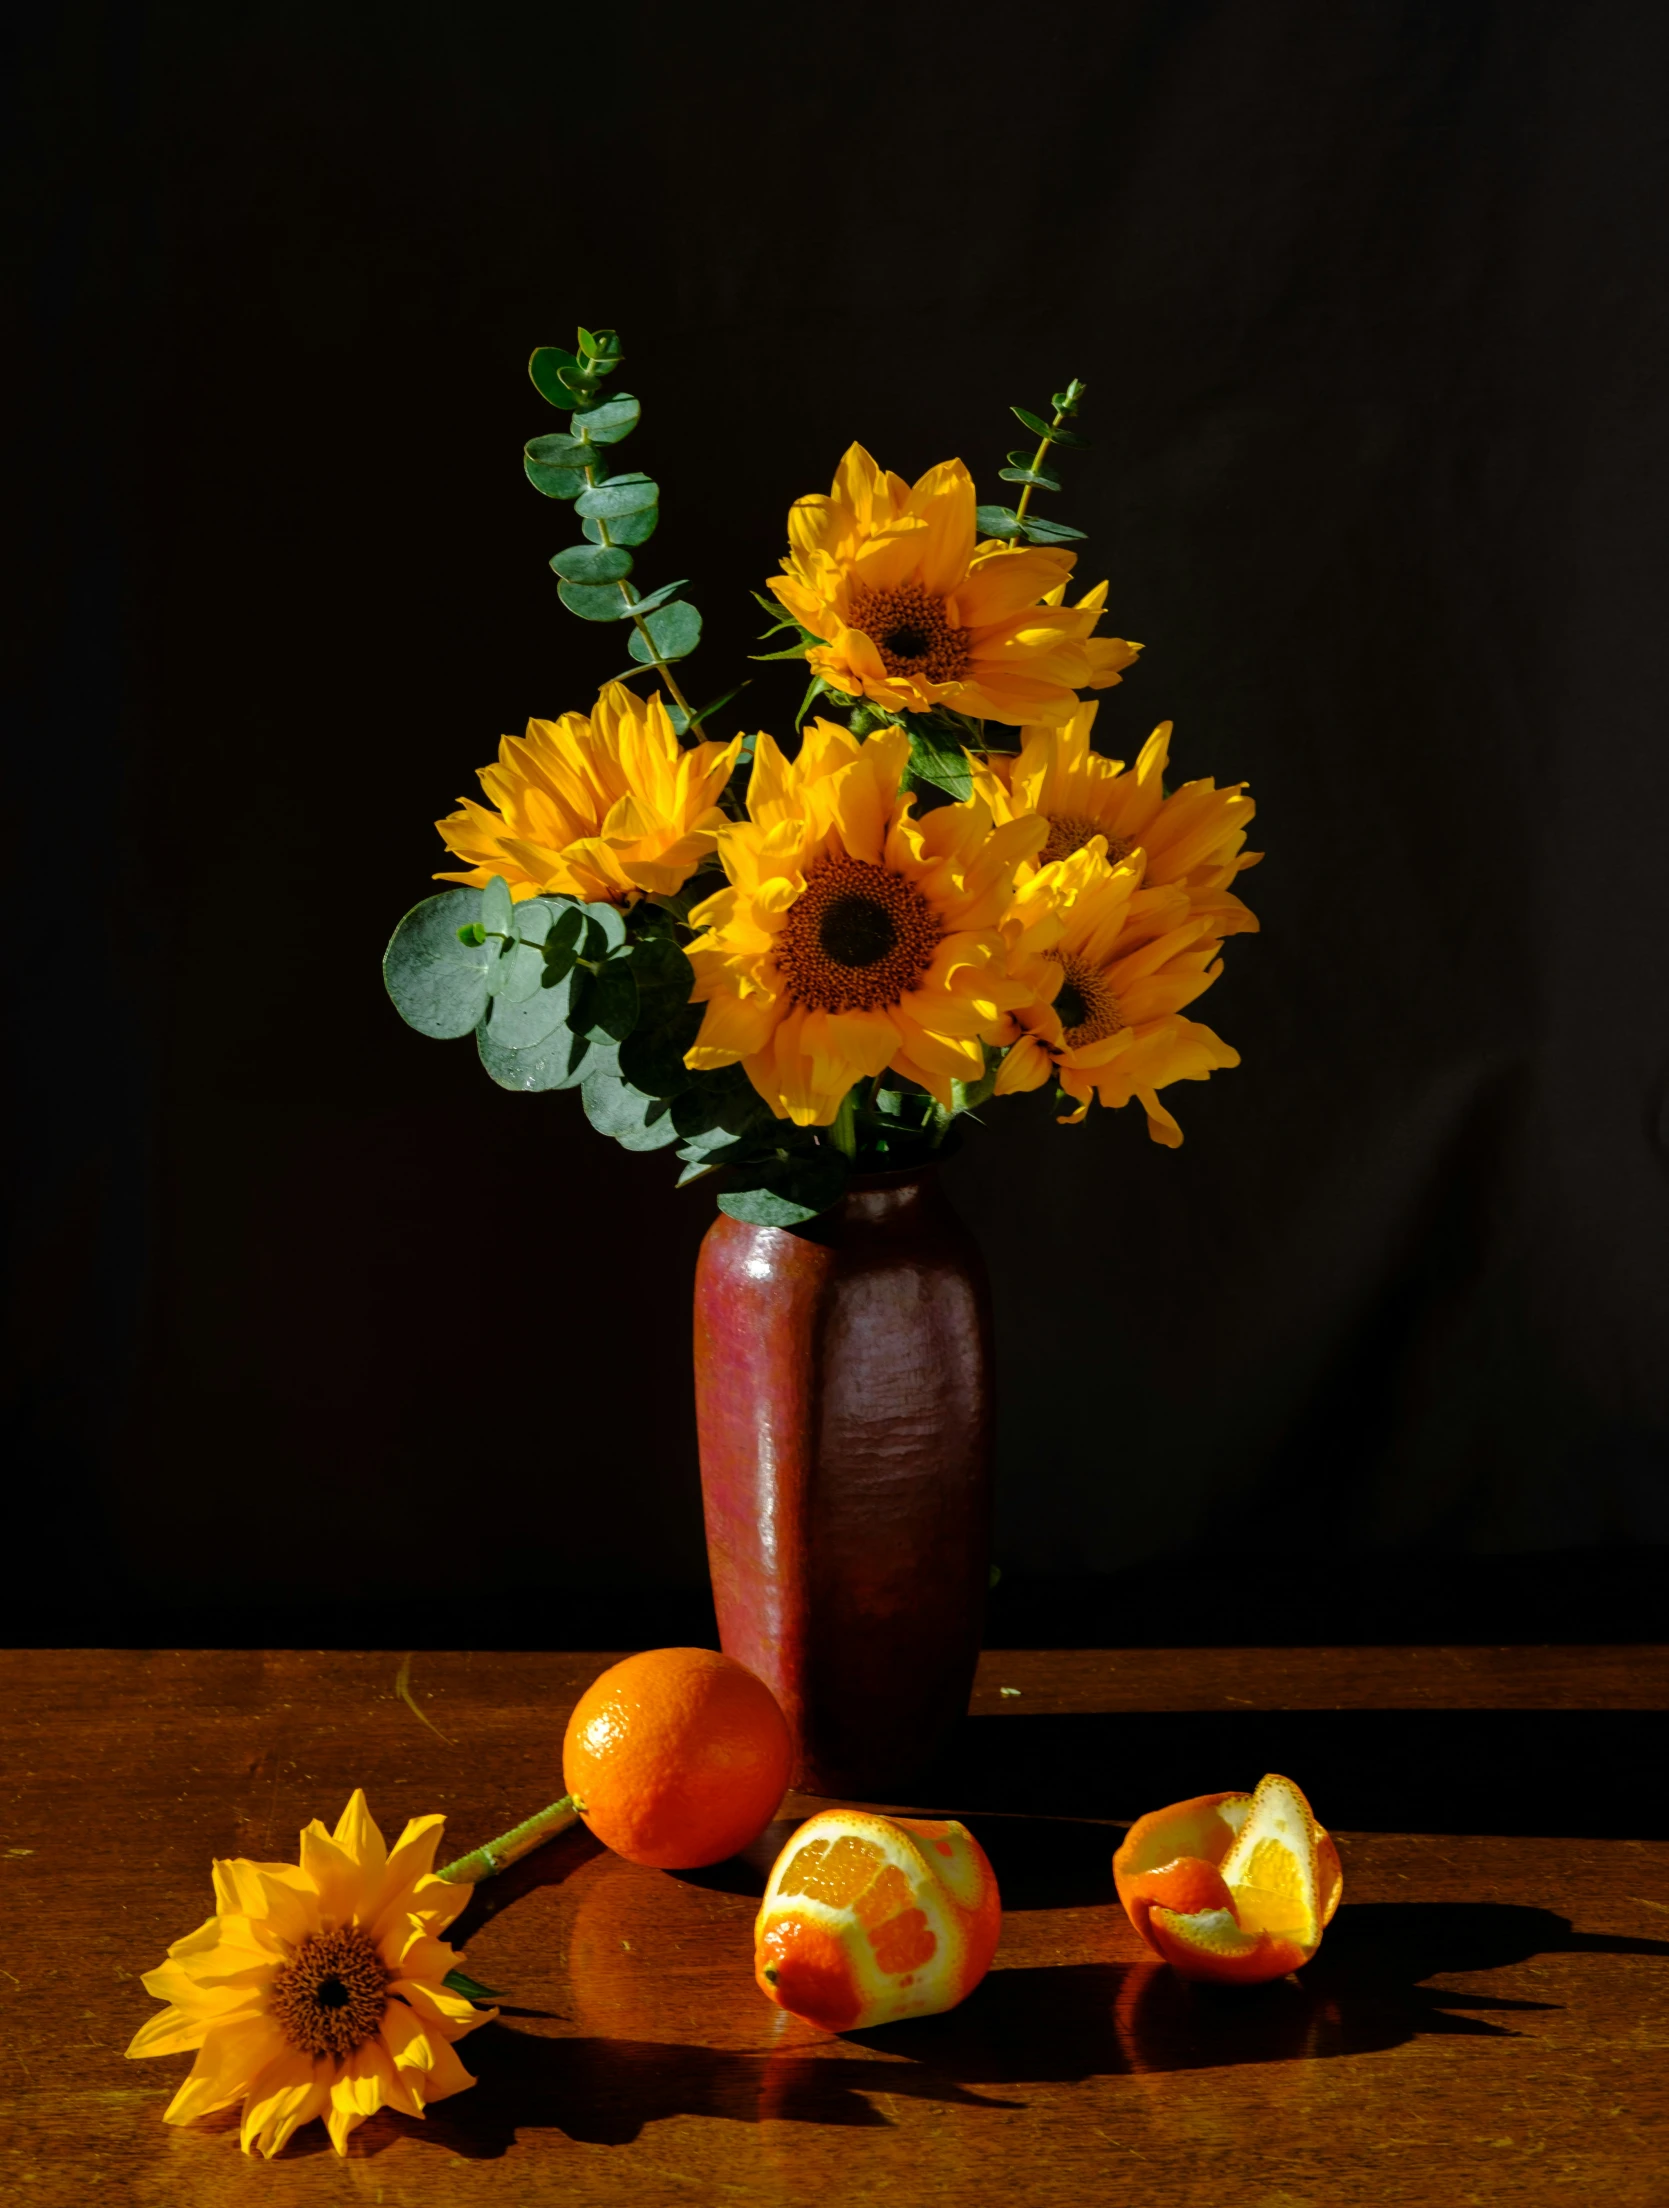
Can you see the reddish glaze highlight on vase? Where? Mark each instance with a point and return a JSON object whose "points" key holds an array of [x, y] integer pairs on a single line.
{"points": [[843, 1394]]}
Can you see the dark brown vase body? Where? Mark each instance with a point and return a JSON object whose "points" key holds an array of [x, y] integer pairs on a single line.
{"points": [[843, 1393]]}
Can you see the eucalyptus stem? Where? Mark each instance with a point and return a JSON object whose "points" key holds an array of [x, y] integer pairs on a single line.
{"points": [[497, 1855], [691, 718], [1037, 462], [843, 1131]]}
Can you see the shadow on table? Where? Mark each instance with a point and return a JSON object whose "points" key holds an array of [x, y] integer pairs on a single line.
{"points": [[1025, 2027], [557, 1860], [1365, 1770]]}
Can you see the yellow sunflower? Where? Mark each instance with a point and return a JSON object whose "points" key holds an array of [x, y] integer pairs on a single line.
{"points": [[317, 1990], [1194, 839], [1105, 996], [914, 611], [1108, 655], [605, 807], [853, 937]]}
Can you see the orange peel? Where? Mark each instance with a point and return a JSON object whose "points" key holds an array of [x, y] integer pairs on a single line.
{"points": [[870, 1919], [1232, 1888]]}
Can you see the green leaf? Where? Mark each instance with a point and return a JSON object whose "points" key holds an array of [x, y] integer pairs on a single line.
{"points": [[1034, 476], [611, 1007], [789, 651], [472, 934], [720, 1106], [681, 719], [1070, 437], [815, 689], [522, 1024], [439, 985], [788, 1192], [608, 928], [545, 367], [1066, 402], [624, 528], [520, 966], [1050, 532], [652, 1056], [1034, 422], [588, 345], [937, 758], [562, 1061], [622, 494], [557, 451], [553, 482], [562, 943], [997, 521], [661, 597], [592, 563], [498, 913], [594, 601], [608, 424], [636, 1121], [675, 631], [460, 1982]]}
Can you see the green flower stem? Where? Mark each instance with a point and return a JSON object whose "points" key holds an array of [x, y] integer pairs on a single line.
{"points": [[843, 1133], [497, 1855], [691, 720], [1037, 462]]}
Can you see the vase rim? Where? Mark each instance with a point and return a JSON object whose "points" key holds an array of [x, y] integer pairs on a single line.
{"points": [[895, 1179]]}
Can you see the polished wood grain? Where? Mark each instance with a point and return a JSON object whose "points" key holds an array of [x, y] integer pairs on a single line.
{"points": [[1487, 2022]]}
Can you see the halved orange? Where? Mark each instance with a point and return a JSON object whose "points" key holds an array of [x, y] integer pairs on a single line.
{"points": [[868, 1919], [1232, 1887]]}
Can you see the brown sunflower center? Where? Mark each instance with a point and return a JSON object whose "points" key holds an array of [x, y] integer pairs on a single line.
{"points": [[1084, 1004], [1069, 832], [857, 937], [907, 626], [332, 1997]]}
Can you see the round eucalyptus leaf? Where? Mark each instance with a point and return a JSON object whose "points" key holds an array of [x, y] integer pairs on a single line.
{"points": [[636, 1121], [594, 601], [553, 482], [562, 452], [675, 630], [614, 1002], [561, 1061], [520, 1023], [606, 425], [593, 563], [545, 368], [621, 494], [439, 985], [611, 922], [788, 1193], [623, 528]]}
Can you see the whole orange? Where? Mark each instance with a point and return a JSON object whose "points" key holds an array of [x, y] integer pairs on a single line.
{"points": [[677, 1757]]}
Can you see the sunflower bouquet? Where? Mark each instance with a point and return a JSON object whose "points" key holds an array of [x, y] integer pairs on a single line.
{"points": [[789, 960]]}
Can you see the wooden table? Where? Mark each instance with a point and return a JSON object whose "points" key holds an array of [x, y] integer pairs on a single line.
{"points": [[1487, 2022]]}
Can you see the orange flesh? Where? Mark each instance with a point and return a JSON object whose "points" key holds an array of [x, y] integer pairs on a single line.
{"points": [[843, 1874]]}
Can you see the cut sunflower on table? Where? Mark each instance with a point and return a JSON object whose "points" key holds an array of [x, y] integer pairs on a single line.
{"points": [[912, 610], [852, 937], [606, 806], [318, 1988]]}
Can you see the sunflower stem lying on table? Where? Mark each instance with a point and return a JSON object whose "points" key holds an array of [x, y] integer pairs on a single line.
{"points": [[498, 1855]]}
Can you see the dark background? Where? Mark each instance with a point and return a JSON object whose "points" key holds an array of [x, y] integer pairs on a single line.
{"points": [[317, 1333]]}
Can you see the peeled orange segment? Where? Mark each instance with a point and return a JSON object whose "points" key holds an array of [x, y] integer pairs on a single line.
{"points": [[869, 1919], [1232, 1887]]}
